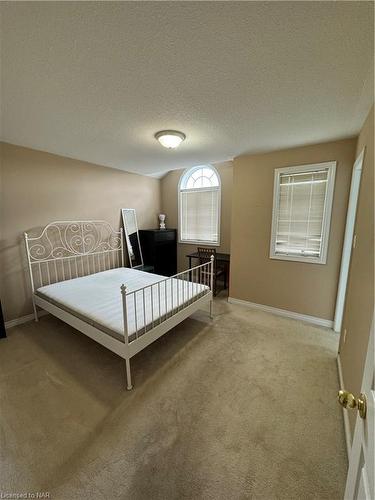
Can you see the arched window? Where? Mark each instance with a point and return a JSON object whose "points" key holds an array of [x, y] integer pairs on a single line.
{"points": [[199, 206]]}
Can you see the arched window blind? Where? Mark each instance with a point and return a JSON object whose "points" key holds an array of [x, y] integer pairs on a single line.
{"points": [[199, 206]]}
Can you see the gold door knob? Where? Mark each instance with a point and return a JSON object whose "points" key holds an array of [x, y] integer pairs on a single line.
{"points": [[347, 400]]}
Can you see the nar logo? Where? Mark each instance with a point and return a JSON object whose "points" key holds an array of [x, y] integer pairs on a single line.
{"points": [[24, 495]]}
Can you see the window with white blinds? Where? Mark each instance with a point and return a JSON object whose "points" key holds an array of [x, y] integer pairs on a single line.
{"points": [[302, 212], [199, 206]]}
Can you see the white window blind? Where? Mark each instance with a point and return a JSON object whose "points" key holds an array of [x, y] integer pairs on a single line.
{"points": [[199, 216], [200, 206], [302, 211]]}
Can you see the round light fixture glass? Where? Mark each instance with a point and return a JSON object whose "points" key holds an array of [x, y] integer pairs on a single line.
{"points": [[170, 138]]}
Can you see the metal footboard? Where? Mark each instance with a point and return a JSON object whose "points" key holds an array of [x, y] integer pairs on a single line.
{"points": [[152, 310]]}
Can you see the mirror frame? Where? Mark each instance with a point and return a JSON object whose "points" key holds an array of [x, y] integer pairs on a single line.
{"points": [[127, 237]]}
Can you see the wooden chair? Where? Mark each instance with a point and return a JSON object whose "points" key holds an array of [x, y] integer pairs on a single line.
{"points": [[205, 256]]}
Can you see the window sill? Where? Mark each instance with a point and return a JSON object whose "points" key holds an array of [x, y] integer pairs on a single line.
{"points": [[207, 243], [295, 258]]}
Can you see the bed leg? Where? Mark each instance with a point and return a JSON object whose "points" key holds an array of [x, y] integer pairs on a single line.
{"points": [[129, 386], [211, 309], [35, 312]]}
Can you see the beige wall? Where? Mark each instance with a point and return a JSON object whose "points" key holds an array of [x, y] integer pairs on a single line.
{"points": [[359, 305], [169, 197], [295, 286], [38, 188]]}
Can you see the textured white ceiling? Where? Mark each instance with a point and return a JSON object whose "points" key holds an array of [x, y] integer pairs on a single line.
{"points": [[96, 80]]}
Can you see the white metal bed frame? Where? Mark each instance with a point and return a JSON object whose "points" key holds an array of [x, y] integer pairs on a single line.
{"points": [[69, 249]]}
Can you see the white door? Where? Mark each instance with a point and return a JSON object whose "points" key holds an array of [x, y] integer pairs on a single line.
{"points": [[361, 472], [348, 240]]}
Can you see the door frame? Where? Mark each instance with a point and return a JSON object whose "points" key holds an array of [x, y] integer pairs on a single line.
{"points": [[348, 240]]}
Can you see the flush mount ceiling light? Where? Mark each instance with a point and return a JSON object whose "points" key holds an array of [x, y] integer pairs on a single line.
{"points": [[170, 138]]}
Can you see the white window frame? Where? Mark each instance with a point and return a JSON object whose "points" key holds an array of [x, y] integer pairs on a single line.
{"points": [[322, 259], [183, 177]]}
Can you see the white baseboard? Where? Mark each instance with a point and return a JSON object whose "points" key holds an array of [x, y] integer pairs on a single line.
{"points": [[348, 434], [283, 312], [23, 319]]}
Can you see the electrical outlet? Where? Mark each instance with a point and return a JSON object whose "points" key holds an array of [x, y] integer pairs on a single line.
{"points": [[344, 335]]}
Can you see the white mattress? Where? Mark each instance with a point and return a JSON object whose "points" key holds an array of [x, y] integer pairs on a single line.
{"points": [[97, 298]]}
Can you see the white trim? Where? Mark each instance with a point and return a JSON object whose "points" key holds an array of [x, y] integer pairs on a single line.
{"points": [[180, 190], [196, 243], [283, 312], [348, 434], [23, 319], [331, 165], [348, 240]]}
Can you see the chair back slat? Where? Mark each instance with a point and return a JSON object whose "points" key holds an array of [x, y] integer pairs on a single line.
{"points": [[205, 254]]}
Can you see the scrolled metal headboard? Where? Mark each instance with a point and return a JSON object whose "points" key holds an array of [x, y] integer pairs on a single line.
{"points": [[70, 249]]}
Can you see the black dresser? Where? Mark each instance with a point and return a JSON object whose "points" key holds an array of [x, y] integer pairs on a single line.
{"points": [[159, 249]]}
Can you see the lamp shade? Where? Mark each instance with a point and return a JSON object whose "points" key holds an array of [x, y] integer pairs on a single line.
{"points": [[170, 139]]}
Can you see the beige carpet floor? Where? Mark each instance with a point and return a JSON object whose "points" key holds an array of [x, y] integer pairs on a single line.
{"points": [[239, 408]]}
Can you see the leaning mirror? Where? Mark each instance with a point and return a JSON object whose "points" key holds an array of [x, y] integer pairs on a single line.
{"points": [[129, 220]]}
